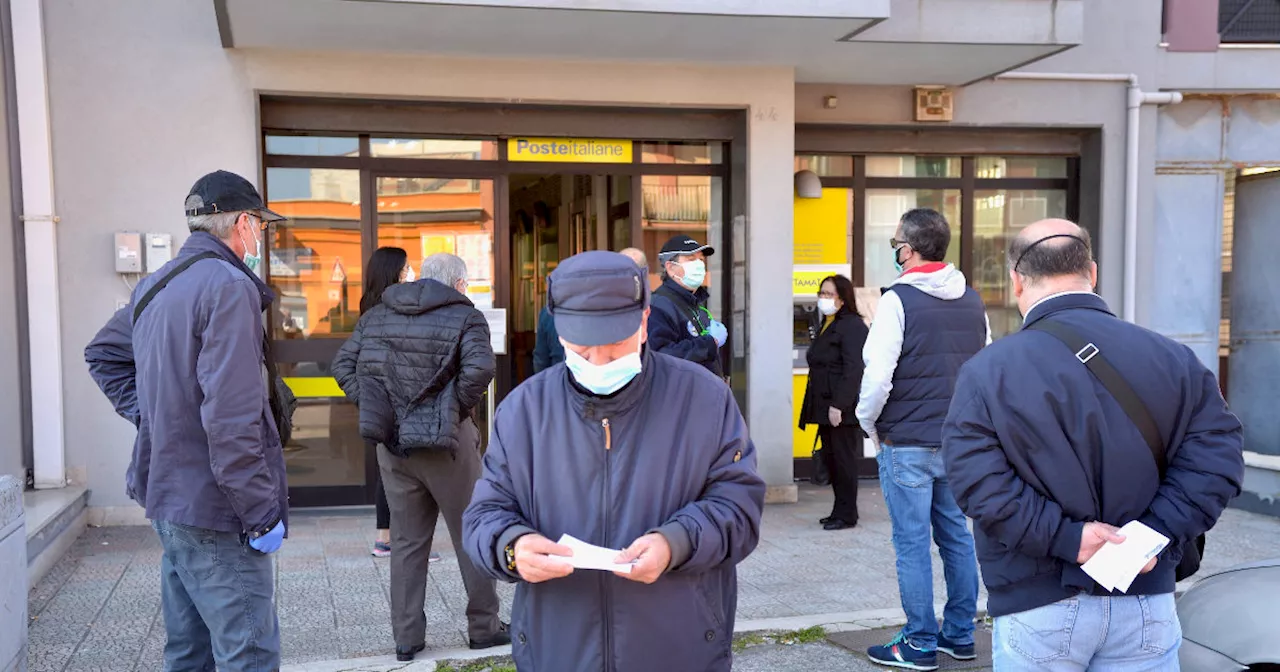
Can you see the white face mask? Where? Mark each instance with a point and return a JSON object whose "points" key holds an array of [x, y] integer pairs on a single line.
{"points": [[603, 379], [409, 275], [827, 306], [694, 273]]}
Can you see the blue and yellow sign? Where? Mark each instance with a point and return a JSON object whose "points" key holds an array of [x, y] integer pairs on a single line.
{"points": [[569, 150]]}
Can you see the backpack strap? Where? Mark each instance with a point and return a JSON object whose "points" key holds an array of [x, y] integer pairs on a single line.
{"points": [[683, 306], [145, 301], [1091, 356]]}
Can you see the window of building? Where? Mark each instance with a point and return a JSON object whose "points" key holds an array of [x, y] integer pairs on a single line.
{"points": [[987, 200]]}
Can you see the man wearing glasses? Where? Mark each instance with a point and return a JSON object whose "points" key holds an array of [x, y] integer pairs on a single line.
{"points": [[929, 322], [189, 366]]}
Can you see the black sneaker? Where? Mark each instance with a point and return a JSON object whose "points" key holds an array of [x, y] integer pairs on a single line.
{"points": [[405, 654], [500, 638], [957, 651]]}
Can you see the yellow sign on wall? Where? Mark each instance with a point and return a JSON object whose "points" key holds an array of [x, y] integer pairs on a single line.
{"points": [[822, 227], [806, 283], [569, 150]]}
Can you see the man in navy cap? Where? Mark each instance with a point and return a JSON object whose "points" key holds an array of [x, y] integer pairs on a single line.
{"points": [[603, 448], [188, 367], [682, 326]]}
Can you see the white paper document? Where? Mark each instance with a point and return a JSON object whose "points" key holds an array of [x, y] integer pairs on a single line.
{"points": [[1115, 566], [587, 556]]}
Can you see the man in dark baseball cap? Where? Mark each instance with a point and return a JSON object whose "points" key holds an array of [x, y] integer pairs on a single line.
{"points": [[682, 325], [624, 448]]}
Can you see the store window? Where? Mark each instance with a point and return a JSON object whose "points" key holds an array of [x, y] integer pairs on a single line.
{"points": [[428, 148], [687, 205], [986, 199]]}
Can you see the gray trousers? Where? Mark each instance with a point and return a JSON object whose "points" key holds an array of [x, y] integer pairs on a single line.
{"points": [[419, 488]]}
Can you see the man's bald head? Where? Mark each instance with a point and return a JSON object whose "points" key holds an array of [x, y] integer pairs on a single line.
{"points": [[637, 256], [1051, 248]]}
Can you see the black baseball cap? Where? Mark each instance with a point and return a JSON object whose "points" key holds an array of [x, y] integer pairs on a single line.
{"points": [[597, 298], [223, 191], [683, 244]]}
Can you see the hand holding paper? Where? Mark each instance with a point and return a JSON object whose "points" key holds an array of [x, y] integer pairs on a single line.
{"points": [[538, 560], [587, 556], [1115, 565], [650, 555]]}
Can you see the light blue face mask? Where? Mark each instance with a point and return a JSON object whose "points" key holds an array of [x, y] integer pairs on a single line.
{"points": [[694, 273], [897, 265], [603, 379], [252, 261]]}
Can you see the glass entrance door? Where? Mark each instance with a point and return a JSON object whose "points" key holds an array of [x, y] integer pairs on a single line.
{"points": [[425, 215]]}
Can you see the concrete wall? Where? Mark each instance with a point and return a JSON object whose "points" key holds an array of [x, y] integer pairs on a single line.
{"points": [[12, 406], [132, 132]]}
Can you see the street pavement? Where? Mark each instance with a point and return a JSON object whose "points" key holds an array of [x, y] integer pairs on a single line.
{"points": [[98, 608]]}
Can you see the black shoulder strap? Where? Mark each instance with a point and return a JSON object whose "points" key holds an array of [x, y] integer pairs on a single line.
{"points": [[681, 305], [155, 289], [1089, 355]]}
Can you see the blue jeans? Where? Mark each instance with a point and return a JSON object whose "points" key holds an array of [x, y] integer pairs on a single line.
{"points": [[217, 597], [1136, 633], [916, 492]]}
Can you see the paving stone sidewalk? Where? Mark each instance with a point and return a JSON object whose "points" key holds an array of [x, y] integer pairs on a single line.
{"points": [[98, 609]]}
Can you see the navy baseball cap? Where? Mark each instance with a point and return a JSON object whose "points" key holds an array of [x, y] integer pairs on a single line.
{"points": [[682, 244], [223, 191], [597, 298]]}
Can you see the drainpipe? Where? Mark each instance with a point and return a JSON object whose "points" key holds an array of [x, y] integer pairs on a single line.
{"points": [[39, 224], [1134, 102]]}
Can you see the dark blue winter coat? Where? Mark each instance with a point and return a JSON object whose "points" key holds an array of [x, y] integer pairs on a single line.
{"points": [[668, 453], [678, 322], [189, 375], [547, 350], [1035, 447]]}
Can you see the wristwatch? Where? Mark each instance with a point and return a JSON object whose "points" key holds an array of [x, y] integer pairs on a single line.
{"points": [[265, 530], [510, 554]]}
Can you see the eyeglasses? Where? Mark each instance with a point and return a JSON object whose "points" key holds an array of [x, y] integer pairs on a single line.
{"points": [[826, 295], [894, 243]]}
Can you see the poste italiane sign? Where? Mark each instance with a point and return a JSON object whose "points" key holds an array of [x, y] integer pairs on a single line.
{"points": [[569, 150]]}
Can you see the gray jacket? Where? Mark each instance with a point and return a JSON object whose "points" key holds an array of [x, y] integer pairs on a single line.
{"points": [[189, 375], [668, 453]]}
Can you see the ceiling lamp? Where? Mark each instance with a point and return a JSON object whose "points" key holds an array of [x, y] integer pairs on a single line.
{"points": [[808, 185]]}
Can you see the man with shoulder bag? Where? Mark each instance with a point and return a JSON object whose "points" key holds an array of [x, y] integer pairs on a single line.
{"points": [[1064, 432]]}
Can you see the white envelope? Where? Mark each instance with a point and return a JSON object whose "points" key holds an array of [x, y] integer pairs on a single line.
{"points": [[1115, 566]]}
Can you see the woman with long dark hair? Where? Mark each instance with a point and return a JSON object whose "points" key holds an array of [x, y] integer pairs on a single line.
{"points": [[835, 379], [387, 266]]}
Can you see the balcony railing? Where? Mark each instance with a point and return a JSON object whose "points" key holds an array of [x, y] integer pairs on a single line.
{"points": [[677, 203]]}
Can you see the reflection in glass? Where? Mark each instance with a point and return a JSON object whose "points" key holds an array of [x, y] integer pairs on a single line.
{"points": [[315, 256], [913, 166], [999, 215], [682, 152], [885, 208], [428, 148], [826, 165], [690, 205], [310, 145], [326, 448], [997, 167], [428, 215]]}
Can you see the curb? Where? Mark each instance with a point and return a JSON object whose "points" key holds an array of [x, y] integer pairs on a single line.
{"points": [[870, 619]]}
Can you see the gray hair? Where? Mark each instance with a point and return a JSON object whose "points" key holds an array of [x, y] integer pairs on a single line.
{"points": [[218, 224], [927, 232], [637, 255], [446, 269]]}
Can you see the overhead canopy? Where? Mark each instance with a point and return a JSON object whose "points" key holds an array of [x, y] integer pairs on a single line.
{"points": [[950, 42]]}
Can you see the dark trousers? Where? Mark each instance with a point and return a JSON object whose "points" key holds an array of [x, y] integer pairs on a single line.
{"points": [[217, 596], [420, 488], [840, 449], [381, 508]]}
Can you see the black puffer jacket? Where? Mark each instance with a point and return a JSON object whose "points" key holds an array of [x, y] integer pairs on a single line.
{"points": [[416, 365]]}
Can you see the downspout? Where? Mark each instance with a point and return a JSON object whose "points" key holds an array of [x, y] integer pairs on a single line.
{"points": [[1135, 100], [39, 225]]}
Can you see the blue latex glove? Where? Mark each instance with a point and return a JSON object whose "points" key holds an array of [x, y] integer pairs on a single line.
{"points": [[719, 332], [271, 541]]}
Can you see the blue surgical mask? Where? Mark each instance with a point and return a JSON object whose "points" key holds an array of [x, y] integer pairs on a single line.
{"points": [[603, 379], [897, 265], [694, 273]]}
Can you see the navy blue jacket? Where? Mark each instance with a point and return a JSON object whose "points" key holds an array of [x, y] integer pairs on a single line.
{"points": [[678, 327], [189, 375], [547, 350], [1035, 447], [938, 337], [609, 470]]}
